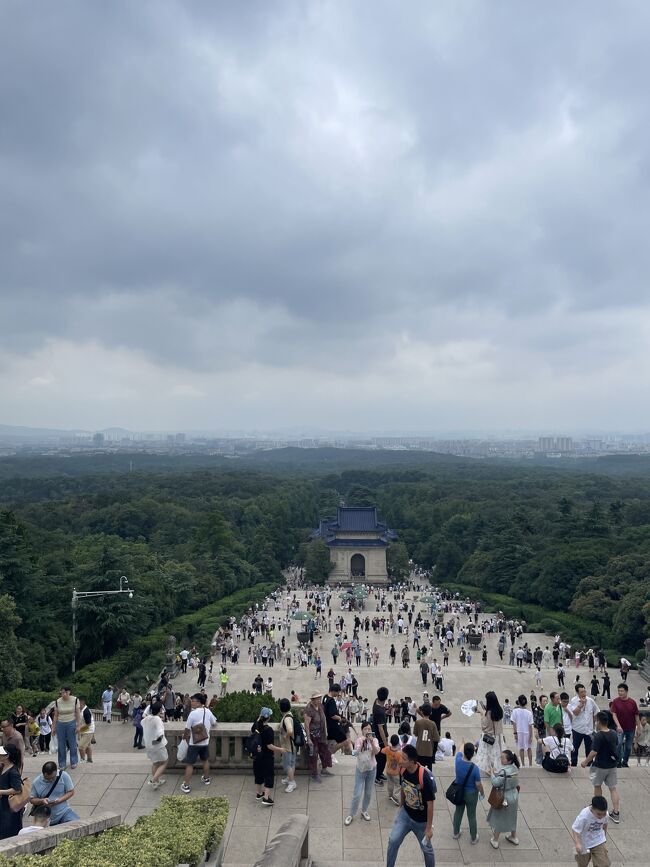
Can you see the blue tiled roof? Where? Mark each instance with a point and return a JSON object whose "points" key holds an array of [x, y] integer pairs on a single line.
{"points": [[353, 519], [356, 543]]}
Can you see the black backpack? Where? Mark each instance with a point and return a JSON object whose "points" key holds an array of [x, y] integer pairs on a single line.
{"points": [[253, 744], [298, 731], [561, 760]]}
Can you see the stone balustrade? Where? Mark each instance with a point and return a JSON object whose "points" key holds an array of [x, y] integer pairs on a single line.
{"points": [[44, 841], [226, 750], [289, 846]]}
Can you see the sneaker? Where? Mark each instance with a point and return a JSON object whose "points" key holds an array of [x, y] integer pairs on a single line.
{"points": [[474, 840], [348, 820], [141, 747], [284, 780], [185, 789], [456, 836], [365, 816], [379, 782], [335, 760], [615, 816], [291, 787], [268, 802], [89, 760], [511, 838], [383, 777], [206, 781], [155, 784], [394, 800], [625, 765], [327, 773], [162, 781], [494, 843], [317, 779], [258, 796]]}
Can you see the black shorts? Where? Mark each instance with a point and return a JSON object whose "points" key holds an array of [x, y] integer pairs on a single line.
{"points": [[426, 761], [264, 773], [196, 754]]}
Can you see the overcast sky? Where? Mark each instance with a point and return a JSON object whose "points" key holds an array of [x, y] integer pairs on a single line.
{"points": [[367, 215]]}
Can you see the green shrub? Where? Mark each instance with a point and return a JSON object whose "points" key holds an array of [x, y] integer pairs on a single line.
{"points": [[180, 830], [245, 707]]}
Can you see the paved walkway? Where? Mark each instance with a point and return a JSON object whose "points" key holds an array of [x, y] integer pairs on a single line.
{"points": [[117, 779]]}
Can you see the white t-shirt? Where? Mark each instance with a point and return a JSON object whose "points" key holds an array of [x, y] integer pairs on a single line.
{"points": [[184, 654], [152, 728], [30, 829], [584, 721], [558, 746], [522, 719], [445, 748], [200, 715], [590, 828]]}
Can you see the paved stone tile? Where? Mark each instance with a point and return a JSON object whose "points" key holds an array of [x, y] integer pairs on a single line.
{"points": [[129, 781], [632, 843], [245, 844], [553, 843], [117, 800], [367, 853], [538, 811], [517, 855], [325, 842]]}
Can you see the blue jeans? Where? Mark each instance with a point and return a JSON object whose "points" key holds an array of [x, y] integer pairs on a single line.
{"points": [[402, 825], [66, 732], [364, 782], [68, 816], [625, 742]]}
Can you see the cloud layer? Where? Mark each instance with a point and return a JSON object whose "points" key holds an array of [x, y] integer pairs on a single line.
{"points": [[347, 215]]}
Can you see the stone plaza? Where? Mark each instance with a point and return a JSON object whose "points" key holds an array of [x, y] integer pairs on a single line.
{"points": [[548, 804]]}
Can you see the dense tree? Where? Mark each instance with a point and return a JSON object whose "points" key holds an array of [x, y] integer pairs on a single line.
{"points": [[317, 562], [11, 657]]}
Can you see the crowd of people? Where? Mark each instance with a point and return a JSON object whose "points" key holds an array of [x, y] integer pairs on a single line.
{"points": [[396, 741]]}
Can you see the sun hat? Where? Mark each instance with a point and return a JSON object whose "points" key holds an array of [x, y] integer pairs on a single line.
{"points": [[316, 695]]}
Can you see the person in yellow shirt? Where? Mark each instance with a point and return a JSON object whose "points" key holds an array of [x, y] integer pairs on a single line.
{"points": [[33, 731]]}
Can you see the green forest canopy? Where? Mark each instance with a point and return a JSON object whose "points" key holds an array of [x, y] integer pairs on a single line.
{"points": [[187, 533]]}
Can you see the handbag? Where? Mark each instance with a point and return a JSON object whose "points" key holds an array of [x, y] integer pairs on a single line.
{"points": [[497, 796], [199, 731], [489, 738], [17, 802], [456, 791], [181, 751], [365, 760]]}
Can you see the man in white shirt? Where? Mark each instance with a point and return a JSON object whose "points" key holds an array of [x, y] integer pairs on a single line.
{"points": [[184, 654], [197, 749], [584, 710], [446, 748]]}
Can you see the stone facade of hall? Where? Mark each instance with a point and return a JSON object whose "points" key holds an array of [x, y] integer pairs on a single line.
{"points": [[357, 542]]}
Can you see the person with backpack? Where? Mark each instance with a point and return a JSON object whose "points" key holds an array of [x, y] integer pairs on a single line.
{"points": [[292, 738], [556, 749], [197, 735], [262, 749], [86, 732], [417, 794]]}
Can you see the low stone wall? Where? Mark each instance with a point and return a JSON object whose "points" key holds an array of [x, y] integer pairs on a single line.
{"points": [[289, 846], [226, 750], [44, 841]]}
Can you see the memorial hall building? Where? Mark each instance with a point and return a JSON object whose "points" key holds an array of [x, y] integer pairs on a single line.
{"points": [[357, 542]]}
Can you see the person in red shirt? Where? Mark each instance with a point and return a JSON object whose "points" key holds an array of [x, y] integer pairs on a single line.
{"points": [[626, 716]]}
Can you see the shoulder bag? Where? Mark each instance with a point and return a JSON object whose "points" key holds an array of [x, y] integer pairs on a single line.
{"points": [[456, 791], [490, 738], [199, 731], [497, 796], [49, 792]]}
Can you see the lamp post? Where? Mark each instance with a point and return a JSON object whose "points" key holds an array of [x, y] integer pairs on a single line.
{"points": [[85, 595]]}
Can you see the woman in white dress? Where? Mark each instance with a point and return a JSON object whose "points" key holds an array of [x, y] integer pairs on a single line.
{"points": [[522, 725], [491, 742]]}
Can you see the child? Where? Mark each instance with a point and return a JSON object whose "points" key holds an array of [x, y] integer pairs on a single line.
{"points": [[589, 832], [507, 713], [33, 730], [405, 736], [469, 657], [538, 678], [642, 745], [393, 753]]}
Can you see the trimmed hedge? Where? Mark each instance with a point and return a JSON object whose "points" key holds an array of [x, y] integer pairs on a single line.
{"points": [[144, 657], [245, 707], [180, 830]]}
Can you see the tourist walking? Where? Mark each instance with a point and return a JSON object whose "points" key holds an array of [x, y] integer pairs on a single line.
{"points": [[107, 703], [602, 762], [589, 832], [491, 742], [316, 737], [367, 747], [197, 734], [415, 816], [155, 743], [66, 724], [468, 776], [86, 732], [626, 716], [263, 758], [522, 724], [44, 721], [503, 819], [583, 711]]}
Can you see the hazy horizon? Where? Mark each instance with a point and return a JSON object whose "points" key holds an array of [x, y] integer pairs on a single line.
{"points": [[321, 216]]}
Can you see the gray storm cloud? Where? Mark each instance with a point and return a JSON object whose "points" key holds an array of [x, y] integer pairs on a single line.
{"points": [[439, 210]]}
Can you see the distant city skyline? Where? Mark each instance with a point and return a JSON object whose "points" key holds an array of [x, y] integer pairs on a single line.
{"points": [[274, 216]]}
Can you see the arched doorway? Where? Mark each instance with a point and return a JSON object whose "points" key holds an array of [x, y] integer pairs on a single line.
{"points": [[358, 566]]}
